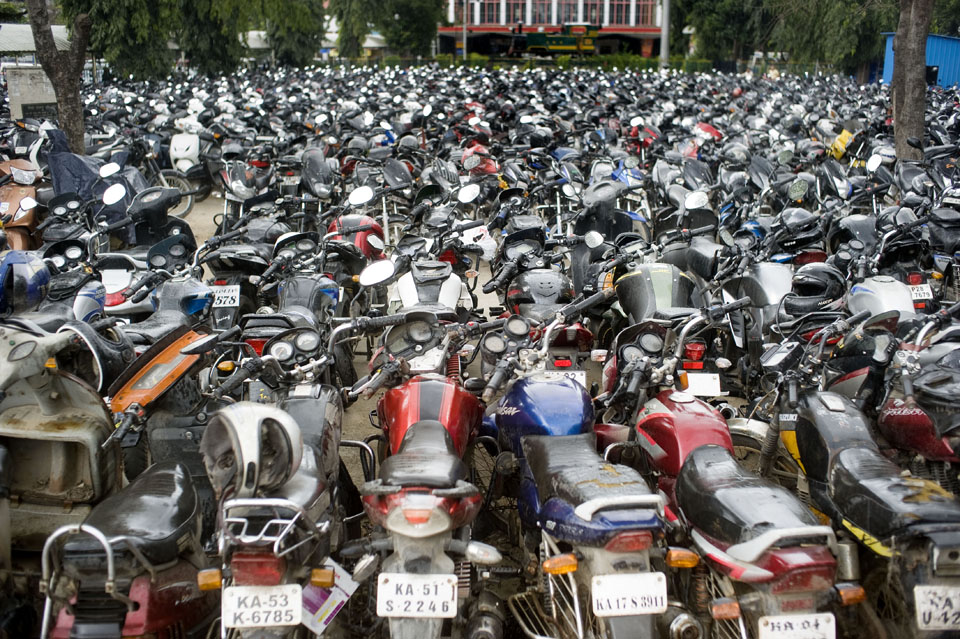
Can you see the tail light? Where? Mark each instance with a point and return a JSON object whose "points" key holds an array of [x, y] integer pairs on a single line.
{"points": [[448, 256], [633, 541], [805, 580], [694, 350], [562, 363], [114, 299], [257, 569], [810, 257], [692, 365], [257, 344], [914, 279], [415, 513], [219, 282]]}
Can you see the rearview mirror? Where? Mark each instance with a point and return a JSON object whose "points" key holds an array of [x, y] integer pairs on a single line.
{"points": [[468, 193], [427, 110], [873, 163], [915, 142], [114, 194], [375, 242], [632, 162], [593, 239], [108, 169], [360, 196], [28, 203], [726, 237], [377, 272]]}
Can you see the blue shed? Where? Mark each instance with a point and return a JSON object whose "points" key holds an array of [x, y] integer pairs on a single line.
{"points": [[942, 52]]}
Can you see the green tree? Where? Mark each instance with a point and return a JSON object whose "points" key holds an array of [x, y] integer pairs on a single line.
{"points": [[726, 28], [946, 18], [12, 12], [409, 26], [296, 38], [209, 39], [352, 21], [132, 35]]}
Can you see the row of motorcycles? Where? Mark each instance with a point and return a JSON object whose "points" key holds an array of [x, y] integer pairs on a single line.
{"points": [[642, 355]]}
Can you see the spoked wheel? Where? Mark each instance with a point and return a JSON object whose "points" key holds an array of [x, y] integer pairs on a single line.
{"points": [[785, 470], [885, 593], [497, 515], [170, 178]]}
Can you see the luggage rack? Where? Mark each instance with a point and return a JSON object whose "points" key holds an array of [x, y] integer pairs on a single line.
{"points": [[276, 530]]}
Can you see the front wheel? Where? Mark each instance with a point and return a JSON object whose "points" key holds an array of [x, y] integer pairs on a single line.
{"points": [[170, 178]]}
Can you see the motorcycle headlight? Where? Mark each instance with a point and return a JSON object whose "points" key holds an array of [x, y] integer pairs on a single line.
{"points": [[23, 177], [242, 190]]}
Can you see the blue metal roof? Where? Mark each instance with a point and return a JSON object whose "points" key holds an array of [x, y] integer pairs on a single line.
{"points": [[942, 51]]}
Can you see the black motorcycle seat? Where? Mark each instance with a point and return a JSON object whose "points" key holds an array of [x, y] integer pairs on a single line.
{"points": [[44, 195], [945, 217], [427, 457], [870, 492], [568, 467], [157, 513], [523, 222], [726, 502], [50, 318], [427, 271], [543, 313], [155, 327], [443, 313]]}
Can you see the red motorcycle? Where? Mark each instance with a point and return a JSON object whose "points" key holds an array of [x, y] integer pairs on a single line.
{"points": [[765, 559], [422, 499]]}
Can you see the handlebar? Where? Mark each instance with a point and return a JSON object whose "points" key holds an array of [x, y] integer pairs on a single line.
{"points": [[576, 308], [248, 369], [507, 271]]}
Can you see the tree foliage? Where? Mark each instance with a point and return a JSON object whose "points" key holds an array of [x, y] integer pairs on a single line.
{"points": [[209, 39], [409, 26], [12, 12], [296, 37], [132, 35], [352, 19], [946, 18]]}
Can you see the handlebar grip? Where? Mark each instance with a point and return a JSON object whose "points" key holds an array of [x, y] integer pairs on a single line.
{"points": [[953, 310], [507, 271], [920, 221], [633, 386], [496, 381], [226, 237], [743, 302], [491, 326], [143, 281], [419, 210], [857, 318], [468, 225], [139, 296], [271, 270], [703, 230], [246, 370], [367, 323], [578, 307], [119, 224]]}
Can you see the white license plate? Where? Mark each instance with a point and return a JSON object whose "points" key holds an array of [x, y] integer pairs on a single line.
{"points": [[261, 606], [407, 595], [578, 376], [938, 607], [703, 384], [642, 593], [226, 296], [812, 626], [921, 292]]}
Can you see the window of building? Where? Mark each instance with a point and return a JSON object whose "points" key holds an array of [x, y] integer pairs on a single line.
{"points": [[490, 12], [566, 11], [516, 11], [620, 12], [541, 12], [593, 11], [646, 13]]}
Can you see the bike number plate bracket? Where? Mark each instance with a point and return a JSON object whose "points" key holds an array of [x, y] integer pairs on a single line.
{"points": [[811, 626], [921, 292], [409, 595], [704, 384], [578, 376], [938, 607], [226, 296], [262, 606], [624, 595]]}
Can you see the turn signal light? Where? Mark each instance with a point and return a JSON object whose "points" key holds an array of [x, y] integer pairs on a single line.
{"points": [[560, 565], [355, 278], [725, 608], [226, 367], [209, 579], [850, 594], [322, 577], [683, 382], [682, 558]]}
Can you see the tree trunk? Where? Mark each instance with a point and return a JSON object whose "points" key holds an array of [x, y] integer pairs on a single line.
{"points": [[63, 68], [909, 83]]}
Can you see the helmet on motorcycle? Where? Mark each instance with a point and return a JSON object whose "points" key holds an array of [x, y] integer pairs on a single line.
{"points": [[540, 137], [98, 358], [816, 287], [250, 449], [24, 280]]}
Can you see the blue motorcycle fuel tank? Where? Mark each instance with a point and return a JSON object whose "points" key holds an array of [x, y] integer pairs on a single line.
{"points": [[544, 403]]}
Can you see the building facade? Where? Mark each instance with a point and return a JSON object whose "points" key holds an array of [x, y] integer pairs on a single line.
{"points": [[625, 25]]}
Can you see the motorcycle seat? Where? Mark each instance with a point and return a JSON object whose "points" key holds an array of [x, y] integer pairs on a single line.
{"points": [[674, 313], [568, 467], [44, 195], [50, 318], [155, 327], [427, 457], [156, 513], [428, 271], [722, 499], [870, 492]]}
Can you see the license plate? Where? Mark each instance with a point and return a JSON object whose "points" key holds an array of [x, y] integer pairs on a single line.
{"points": [[921, 292], [407, 595], [813, 626], [703, 384], [578, 376], [642, 593], [261, 606], [938, 607], [226, 296]]}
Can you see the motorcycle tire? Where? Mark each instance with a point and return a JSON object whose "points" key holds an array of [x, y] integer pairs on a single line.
{"points": [[351, 502], [175, 179], [343, 365], [785, 470]]}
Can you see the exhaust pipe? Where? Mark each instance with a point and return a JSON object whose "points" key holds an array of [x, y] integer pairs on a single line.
{"points": [[676, 623], [487, 620], [728, 411]]}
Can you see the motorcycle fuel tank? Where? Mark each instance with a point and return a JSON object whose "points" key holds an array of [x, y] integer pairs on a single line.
{"points": [[672, 424], [544, 403]]}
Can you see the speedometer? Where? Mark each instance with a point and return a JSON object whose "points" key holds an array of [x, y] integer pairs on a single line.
{"points": [[73, 253], [307, 341], [281, 350], [419, 331]]}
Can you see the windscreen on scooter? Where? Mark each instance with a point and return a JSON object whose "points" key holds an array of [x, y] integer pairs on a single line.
{"points": [[316, 174]]}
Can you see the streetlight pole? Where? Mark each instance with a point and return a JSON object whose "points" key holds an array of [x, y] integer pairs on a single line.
{"points": [[665, 34], [464, 31]]}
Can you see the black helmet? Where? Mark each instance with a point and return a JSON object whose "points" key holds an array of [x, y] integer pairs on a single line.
{"points": [[816, 287]]}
